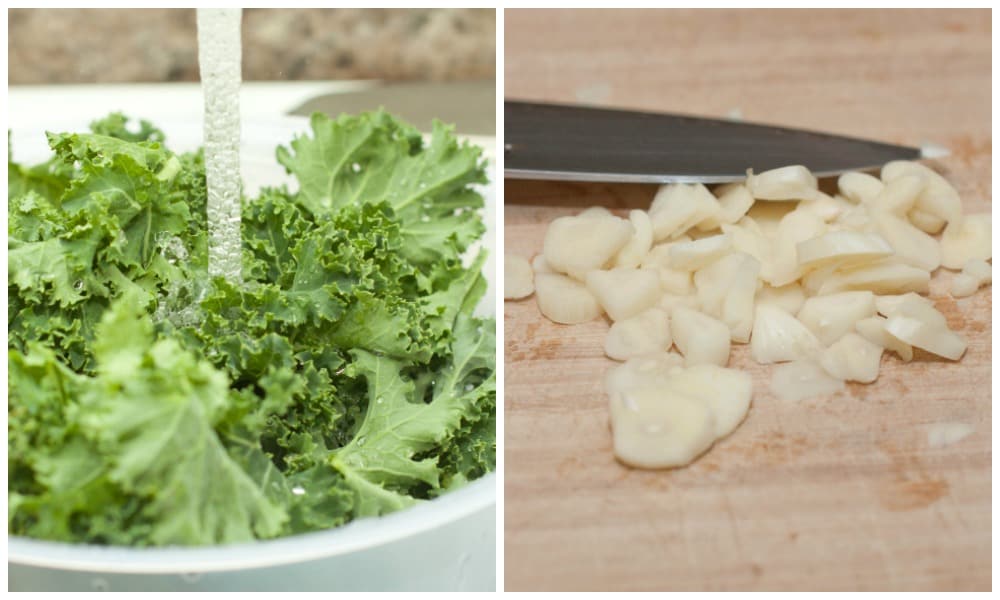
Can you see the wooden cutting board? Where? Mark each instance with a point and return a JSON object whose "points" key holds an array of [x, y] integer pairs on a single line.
{"points": [[838, 493]]}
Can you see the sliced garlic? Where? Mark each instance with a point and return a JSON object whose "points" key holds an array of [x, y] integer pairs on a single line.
{"points": [[517, 277], [678, 207], [971, 239], [888, 304], [852, 358], [786, 183], [702, 339], [832, 316], [624, 293], [639, 371], [565, 300], [658, 256], [747, 238], [788, 298], [691, 256], [828, 208], [803, 379], [645, 333], [873, 330], [671, 301], [841, 248], [734, 202], [914, 321], [636, 249], [779, 337], [577, 245], [859, 188]]}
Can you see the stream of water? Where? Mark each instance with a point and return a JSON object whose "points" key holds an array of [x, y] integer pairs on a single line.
{"points": [[219, 60]]}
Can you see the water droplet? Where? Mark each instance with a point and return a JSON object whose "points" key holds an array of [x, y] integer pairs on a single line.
{"points": [[356, 168], [379, 400], [298, 490], [424, 219], [78, 285], [361, 441], [469, 387], [191, 577], [100, 585]]}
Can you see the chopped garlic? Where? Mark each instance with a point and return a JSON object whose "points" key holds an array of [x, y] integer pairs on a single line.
{"points": [[624, 293], [595, 212], [971, 239], [517, 277], [830, 317], [642, 240], [678, 207], [927, 335], [925, 221], [785, 183], [803, 379], [577, 245], [645, 333], [691, 256], [873, 330], [565, 300], [779, 337], [911, 246], [788, 298], [734, 202], [963, 285], [860, 188], [852, 358], [938, 197], [538, 265], [979, 269], [883, 277], [702, 339], [841, 248]]}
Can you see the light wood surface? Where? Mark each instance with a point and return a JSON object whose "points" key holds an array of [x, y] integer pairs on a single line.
{"points": [[840, 493]]}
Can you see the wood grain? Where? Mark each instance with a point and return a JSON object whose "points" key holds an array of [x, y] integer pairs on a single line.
{"points": [[840, 493]]}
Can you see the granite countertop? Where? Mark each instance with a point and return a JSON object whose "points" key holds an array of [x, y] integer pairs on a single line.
{"points": [[159, 45]]}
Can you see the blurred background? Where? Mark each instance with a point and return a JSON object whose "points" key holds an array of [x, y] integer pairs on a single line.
{"points": [[420, 64], [155, 45]]}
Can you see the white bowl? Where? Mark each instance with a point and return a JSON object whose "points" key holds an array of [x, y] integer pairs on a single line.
{"points": [[446, 544]]}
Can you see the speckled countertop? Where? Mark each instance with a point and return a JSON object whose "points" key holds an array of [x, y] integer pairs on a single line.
{"points": [[151, 45]]}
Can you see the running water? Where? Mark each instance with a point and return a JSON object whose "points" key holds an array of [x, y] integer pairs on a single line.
{"points": [[219, 59]]}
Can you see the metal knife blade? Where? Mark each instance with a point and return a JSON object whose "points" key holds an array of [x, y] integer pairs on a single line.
{"points": [[578, 143]]}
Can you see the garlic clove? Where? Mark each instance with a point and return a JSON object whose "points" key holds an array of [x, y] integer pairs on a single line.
{"points": [[645, 333], [624, 293], [699, 337], [576, 245], [565, 300], [518, 279]]}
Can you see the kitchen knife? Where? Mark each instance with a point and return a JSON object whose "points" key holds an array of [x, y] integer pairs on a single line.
{"points": [[578, 143]]}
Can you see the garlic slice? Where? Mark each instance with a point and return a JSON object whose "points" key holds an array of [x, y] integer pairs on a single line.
{"points": [[645, 333], [936, 340], [852, 358], [779, 337], [702, 339], [597, 212], [888, 304], [678, 207], [832, 316], [979, 269], [925, 221], [678, 283], [797, 226], [576, 245], [517, 277], [738, 302], [898, 196], [727, 391], [963, 285], [565, 300], [624, 293], [803, 379], [539, 265]]}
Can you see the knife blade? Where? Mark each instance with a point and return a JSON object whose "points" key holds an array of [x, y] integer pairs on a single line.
{"points": [[579, 143]]}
